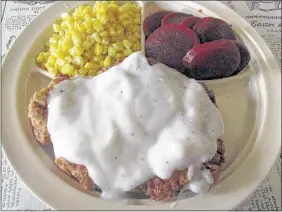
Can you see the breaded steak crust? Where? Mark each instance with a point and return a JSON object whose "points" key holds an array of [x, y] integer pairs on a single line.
{"points": [[155, 188]]}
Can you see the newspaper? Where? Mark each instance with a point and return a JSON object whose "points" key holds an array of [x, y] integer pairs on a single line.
{"points": [[264, 16]]}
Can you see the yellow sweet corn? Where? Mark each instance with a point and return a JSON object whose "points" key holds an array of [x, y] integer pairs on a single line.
{"points": [[99, 34], [98, 49], [67, 69], [127, 44]]}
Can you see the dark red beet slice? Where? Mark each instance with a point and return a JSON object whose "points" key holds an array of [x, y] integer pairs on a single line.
{"points": [[245, 57], [152, 61], [169, 44], [216, 59], [209, 29], [153, 21], [190, 21], [174, 18]]}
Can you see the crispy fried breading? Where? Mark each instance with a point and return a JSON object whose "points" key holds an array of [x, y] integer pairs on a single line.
{"points": [[155, 188]]}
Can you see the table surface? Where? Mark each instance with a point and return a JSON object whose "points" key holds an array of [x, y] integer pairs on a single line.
{"points": [[264, 16]]}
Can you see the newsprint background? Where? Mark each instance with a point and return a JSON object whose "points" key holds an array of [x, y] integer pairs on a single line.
{"points": [[264, 16]]}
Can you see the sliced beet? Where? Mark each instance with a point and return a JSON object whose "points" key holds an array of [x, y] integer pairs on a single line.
{"points": [[209, 29], [174, 18], [245, 57], [169, 44], [152, 61], [190, 21], [153, 21], [216, 59]]}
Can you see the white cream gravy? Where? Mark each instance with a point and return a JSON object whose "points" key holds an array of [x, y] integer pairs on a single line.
{"points": [[134, 122]]}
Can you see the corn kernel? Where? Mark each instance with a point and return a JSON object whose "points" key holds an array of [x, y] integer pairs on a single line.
{"points": [[132, 39], [72, 51], [78, 60], [80, 27], [86, 44], [119, 56], [90, 39], [89, 65], [136, 47], [99, 72], [137, 35], [127, 44], [105, 41], [60, 62], [104, 8], [118, 46], [107, 61], [53, 40], [120, 31], [97, 37], [105, 49], [136, 29], [87, 24], [104, 34], [104, 19], [98, 58], [137, 20], [61, 33], [67, 69], [98, 49], [46, 55], [40, 57], [98, 26], [51, 60], [59, 54], [52, 71], [92, 73], [68, 59], [76, 39], [87, 10], [127, 52], [56, 27], [88, 55], [129, 27], [83, 71], [79, 50], [57, 66], [112, 31], [112, 51]]}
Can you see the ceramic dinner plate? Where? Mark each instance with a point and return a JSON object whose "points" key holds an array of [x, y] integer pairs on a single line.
{"points": [[250, 104]]}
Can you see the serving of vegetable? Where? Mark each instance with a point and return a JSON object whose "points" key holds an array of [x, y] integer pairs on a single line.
{"points": [[92, 37]]}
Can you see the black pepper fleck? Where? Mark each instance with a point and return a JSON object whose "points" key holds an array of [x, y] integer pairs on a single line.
{"points": [[61, 91], [167, 162], [115, 157], [121, 91]]}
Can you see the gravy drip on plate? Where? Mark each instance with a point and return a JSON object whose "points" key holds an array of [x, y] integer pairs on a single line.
{"points": [[134, 122]]}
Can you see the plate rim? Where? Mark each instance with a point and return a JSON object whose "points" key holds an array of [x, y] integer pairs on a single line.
{"points": [[47, 198]]}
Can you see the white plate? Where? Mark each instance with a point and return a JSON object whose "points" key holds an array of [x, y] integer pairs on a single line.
{"points": [[250, 104]]}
